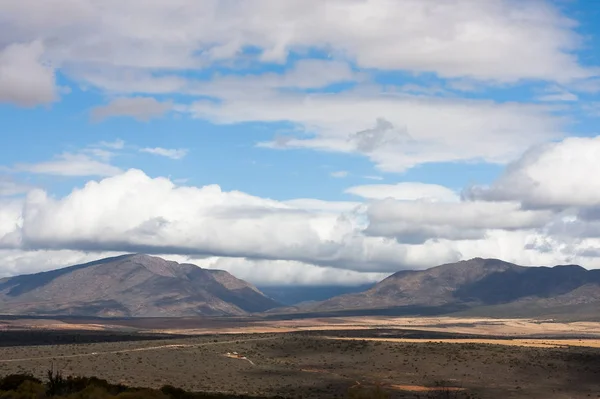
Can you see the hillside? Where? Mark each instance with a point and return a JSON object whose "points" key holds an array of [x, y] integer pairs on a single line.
{"points": [[492, 284], [132, 286]]}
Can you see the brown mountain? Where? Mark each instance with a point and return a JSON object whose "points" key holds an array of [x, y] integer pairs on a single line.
{"points": [[477, 284], [131, 285]]}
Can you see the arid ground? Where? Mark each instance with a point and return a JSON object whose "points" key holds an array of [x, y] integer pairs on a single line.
{"points": [[480, 358]]}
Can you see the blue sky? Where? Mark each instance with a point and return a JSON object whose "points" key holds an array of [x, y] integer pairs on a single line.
{"points": [[399, 134]]}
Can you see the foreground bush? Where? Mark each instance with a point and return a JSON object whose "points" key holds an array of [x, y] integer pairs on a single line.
{"points": [[25, 386]]}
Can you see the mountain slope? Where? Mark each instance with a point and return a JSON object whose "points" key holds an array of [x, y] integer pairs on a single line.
{"points": [[131, 285], [475, 283]]}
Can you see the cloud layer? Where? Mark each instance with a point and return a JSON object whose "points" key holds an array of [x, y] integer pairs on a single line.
{"points": [[483, 40], [398, 227]]}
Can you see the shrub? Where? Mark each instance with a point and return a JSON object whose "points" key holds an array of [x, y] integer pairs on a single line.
{"points": [[14, 381]]}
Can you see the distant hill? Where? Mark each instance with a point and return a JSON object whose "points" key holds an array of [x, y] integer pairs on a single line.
{"points": [[478, 286], [131, 286]]}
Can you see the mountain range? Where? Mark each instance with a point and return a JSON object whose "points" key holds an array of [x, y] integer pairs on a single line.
{"points": [[492, 286], [145, 286]]}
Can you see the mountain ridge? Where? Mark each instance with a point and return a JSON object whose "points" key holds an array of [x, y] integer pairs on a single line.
{"points": [[137, 285], [471, 284]]}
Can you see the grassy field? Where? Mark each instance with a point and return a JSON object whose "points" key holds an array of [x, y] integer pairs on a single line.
{"points": [[333, 363]]}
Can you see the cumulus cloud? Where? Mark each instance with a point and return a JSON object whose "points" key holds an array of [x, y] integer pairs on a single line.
{"points": [[553, 175], [25, 79], [280, 272], [140, 108], [131, 212], [312, 204], [408, 191], [166, 152], [418, 221]]}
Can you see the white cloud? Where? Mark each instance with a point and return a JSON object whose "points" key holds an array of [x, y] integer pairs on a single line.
{"points": [[552, 175], [132, 212], [591, 85], [140, 108], [166, 152], [25, 79], [556, 93], [11, 221], [304, 74], [16, 261], [339, 174], [373, 177], [131, 48], [418, 221], [484, 40], [408, 191], [71, 164], [563, 96], [312, 204], [280, 272], [396, 132]]}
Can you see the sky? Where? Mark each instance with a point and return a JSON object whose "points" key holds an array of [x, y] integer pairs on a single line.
{"points": [[299, 142]]}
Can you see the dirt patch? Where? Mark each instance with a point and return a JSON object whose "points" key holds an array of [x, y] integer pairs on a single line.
{"points": [[236, 355], [420, 388]]}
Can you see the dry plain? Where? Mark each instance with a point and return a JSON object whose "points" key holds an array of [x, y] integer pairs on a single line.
{"points": [[325, 357]]}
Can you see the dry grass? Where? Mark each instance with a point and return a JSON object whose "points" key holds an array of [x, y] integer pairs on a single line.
{"points": [[531, 343], [200, 326], [476, 326], [307, 365]]}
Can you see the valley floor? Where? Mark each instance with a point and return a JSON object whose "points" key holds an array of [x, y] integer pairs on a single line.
{"points": [[326, 358]]}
